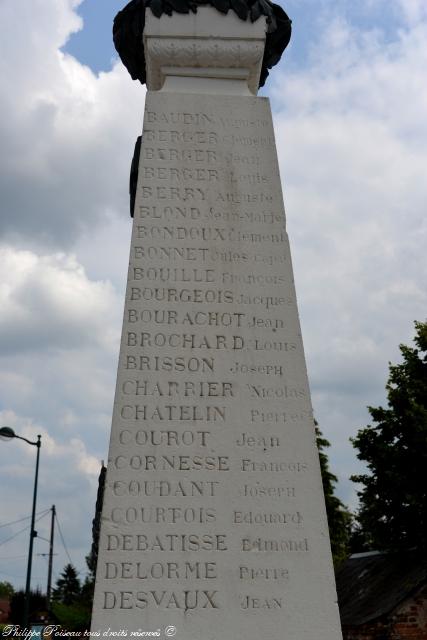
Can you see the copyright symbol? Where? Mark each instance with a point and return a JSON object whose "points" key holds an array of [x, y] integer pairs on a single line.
{"points": [[170, 631]]}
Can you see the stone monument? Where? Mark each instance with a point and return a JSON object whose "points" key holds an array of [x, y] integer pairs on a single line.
{"points": [[213, 524]]}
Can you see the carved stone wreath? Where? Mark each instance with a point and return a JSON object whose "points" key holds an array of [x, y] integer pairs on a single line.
{"points": [[129, 27]]}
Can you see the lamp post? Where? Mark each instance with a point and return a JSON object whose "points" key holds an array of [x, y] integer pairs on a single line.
{"points": [[6, 433]]}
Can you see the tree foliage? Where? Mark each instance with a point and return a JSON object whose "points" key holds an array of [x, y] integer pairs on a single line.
{"points": [[339, 518], [72, 617], [393, 500], [72, 602], [6, 589], [67, 586], [38, 605]]}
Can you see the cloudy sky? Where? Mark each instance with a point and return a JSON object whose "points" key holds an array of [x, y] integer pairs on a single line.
{"points": [[349, 101]]}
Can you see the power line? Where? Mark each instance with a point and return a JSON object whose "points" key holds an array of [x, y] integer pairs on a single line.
{"points": [[13, 575], [14, 535], [43, 515], [62, 538], [41, 538], [8, 524], [24, 529]]}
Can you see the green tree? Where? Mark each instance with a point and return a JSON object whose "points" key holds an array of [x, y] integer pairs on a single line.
{"points": [[6, 590], [38, 606], [68, 586], [72, 602], [72, 617], [393, 500], [339, 518]]}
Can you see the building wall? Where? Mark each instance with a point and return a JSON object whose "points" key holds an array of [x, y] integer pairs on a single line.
{"points": [[4, 610], [408, 622]]}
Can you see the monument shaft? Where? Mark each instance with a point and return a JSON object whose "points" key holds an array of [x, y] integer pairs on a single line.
{"points": [[214, 518]]}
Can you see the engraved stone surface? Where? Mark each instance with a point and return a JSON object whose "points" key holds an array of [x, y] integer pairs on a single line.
{"points": [[213, 520], [207, 46]]}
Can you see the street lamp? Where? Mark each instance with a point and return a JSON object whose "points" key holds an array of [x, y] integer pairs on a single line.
{"points": [[6, 433]]}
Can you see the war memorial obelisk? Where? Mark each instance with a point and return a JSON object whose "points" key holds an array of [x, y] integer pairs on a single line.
{"points": [[213, 523]]}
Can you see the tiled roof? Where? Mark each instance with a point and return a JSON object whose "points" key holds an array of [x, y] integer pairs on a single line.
{"points": [[372, 585]]}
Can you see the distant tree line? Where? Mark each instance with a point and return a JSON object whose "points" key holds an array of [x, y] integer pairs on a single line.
{"points": [[392, 515], [393, 497], [71, 604]]}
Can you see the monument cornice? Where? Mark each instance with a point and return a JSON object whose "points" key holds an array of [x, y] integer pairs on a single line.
{"points": [[222, 58], [129, 28]]}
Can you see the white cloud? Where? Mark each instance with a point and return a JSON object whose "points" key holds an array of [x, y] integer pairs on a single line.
{"points": [[57, 453], [49, 303], [66, 139], [67, 135], [413, 10], [59, 345], [351, 134]]}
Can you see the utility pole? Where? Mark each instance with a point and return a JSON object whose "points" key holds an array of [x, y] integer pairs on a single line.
{"points": [[49, 571], [6, 433], [33, 534]]}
